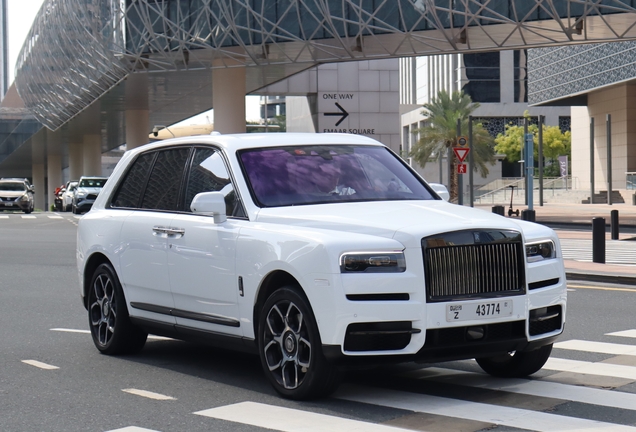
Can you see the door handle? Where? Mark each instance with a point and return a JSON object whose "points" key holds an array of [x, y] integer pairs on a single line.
{"points": [[175, 231], [160, 230]]}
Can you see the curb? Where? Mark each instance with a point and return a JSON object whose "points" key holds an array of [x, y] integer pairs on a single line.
{"points": [[604, 278]]}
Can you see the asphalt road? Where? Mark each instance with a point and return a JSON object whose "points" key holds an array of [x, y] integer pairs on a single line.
{"points": [[42, 320]]}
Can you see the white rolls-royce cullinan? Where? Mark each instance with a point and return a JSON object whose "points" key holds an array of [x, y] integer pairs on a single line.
{"points": [[318, 252]]}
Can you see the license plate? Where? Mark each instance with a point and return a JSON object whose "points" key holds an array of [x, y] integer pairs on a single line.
{"points": [[477, 311], [8, 204]]}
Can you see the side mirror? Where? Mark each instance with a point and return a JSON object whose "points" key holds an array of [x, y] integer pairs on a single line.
{"points": [[441, 190], [210, 204]]}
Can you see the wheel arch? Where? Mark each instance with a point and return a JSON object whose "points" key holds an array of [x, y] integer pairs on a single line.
{"points": [[273, 281], [91, 265]]}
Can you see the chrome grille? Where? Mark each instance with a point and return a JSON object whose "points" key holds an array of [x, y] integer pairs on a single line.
{"points": [[473, 264]]}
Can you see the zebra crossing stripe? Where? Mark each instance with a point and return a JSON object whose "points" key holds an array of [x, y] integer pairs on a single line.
{"points": [[4, 217], [624, 333], [290, 420], [55, 217], [132, 429], [28, 217], [597, 347], [453, 408], [589, 368], [545, 389]]}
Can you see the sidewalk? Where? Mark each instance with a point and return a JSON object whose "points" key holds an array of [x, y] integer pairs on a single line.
{"points": [[583, 214]]}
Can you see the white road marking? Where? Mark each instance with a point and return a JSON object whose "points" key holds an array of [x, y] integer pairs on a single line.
{"points": [[453, 408], [589, 368], [290, 420], [40, 365], [624, 333], [597, 347], [4, 217], [28, 217], [152, 337], [539, 388], [132, 429], [148, 394], [55, 217]]}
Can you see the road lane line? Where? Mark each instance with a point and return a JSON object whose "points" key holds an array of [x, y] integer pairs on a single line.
{"points": [[148, 394], [55, 217], [482, 412], [590, 368], [152, 337], [4, 217], [40, 365], [597, 347], [624, 333], [290, 420], [132, 429], [539, 388], [28, 217]]}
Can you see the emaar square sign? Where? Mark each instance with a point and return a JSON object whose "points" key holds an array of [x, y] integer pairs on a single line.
{"points": [[370, 113]]}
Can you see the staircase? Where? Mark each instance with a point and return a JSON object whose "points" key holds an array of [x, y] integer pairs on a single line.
{"points": [[601, 197]]}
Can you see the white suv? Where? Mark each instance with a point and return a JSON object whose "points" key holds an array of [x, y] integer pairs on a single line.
{"points": [[314, 251]]}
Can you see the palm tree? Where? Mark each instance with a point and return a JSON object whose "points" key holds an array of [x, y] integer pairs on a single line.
{"points": [[440, 134]]}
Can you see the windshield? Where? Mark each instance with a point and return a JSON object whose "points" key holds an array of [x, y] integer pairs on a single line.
{"points": [[300, 175], [92, 183], [13, 187]]}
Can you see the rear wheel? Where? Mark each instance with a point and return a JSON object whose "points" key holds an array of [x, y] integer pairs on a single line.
{"points": [[516, 365], [290, 347], [111, 328]]}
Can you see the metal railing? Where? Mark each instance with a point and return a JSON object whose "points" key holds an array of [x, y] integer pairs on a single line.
{"points": [[494, 188]]}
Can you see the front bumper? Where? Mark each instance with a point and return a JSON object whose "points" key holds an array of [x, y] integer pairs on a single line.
{"points": [[84, 205], [15, 205]]}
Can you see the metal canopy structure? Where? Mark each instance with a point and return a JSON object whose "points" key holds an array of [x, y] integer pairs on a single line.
{"points": [[78, 50]]}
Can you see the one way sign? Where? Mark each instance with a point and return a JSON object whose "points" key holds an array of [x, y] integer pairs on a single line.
{"points": [[461, 153]]}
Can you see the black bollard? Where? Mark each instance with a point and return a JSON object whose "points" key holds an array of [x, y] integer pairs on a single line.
{"points": [[614, 214], [528, 215], [498, 209], [598, 240]]}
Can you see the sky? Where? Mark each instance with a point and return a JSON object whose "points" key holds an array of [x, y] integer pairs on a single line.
{"points": [[21, 14]]}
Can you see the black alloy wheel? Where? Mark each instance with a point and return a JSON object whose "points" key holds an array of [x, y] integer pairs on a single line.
{"points": [[290, 347], [516, 365], [111, 328]]}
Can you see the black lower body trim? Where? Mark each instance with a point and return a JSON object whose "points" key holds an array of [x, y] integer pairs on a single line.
{"points": [[189, 334], [212, 319]]}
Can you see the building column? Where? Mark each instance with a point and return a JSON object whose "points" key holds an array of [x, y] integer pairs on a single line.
{"points": [[75, 159], [137, 113], [228, 99], [92, 155], [38, 148], [53, 164]]}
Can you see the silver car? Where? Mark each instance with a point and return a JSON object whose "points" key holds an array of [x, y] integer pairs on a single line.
{"points": [[15, 194], [86, 193]]}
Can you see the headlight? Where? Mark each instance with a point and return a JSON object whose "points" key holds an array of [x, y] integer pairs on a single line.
{"points": [[24, 197], [81, 194], [373, 262], [540, 251]]}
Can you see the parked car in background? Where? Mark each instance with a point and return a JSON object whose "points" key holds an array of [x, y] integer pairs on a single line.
{"points": [[68, 194], [87, 190], [15, 194], [316, 252]]}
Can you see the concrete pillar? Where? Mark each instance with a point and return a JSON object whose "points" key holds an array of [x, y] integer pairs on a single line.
{"points": [[38, 152], [39, 184], [506, 77], [228, 99], [75, 160], [92, 155], [137, 128], [137, 114], [53, 164]]}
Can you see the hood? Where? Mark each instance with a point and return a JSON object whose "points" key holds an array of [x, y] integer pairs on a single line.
{"points": [[94, 190], [12, 194], [405, 221]]}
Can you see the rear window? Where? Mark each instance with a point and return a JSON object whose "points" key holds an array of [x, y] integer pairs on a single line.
{"points": [[300, 175]]}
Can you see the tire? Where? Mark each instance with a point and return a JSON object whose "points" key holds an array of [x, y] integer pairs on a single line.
{"points": [[112, 331], [290, 348], [517, 365]]}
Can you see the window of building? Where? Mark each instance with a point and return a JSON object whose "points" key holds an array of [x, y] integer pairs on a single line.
{"points": [[483, 77]]}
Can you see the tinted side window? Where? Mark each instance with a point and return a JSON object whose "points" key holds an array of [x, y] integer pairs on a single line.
{"points": [[208, 173], [162, 192], [129, 192]]}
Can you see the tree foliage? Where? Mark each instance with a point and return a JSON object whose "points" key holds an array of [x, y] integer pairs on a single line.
{"points": [[440, 134], [555, 144]]}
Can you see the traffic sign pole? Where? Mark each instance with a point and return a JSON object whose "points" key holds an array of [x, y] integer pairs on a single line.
{"points": [[460, 176], [470, 161]]}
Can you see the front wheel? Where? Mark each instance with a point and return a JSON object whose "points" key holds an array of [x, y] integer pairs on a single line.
{"points": [[516, 365], [290, 348], [111, 328]]}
